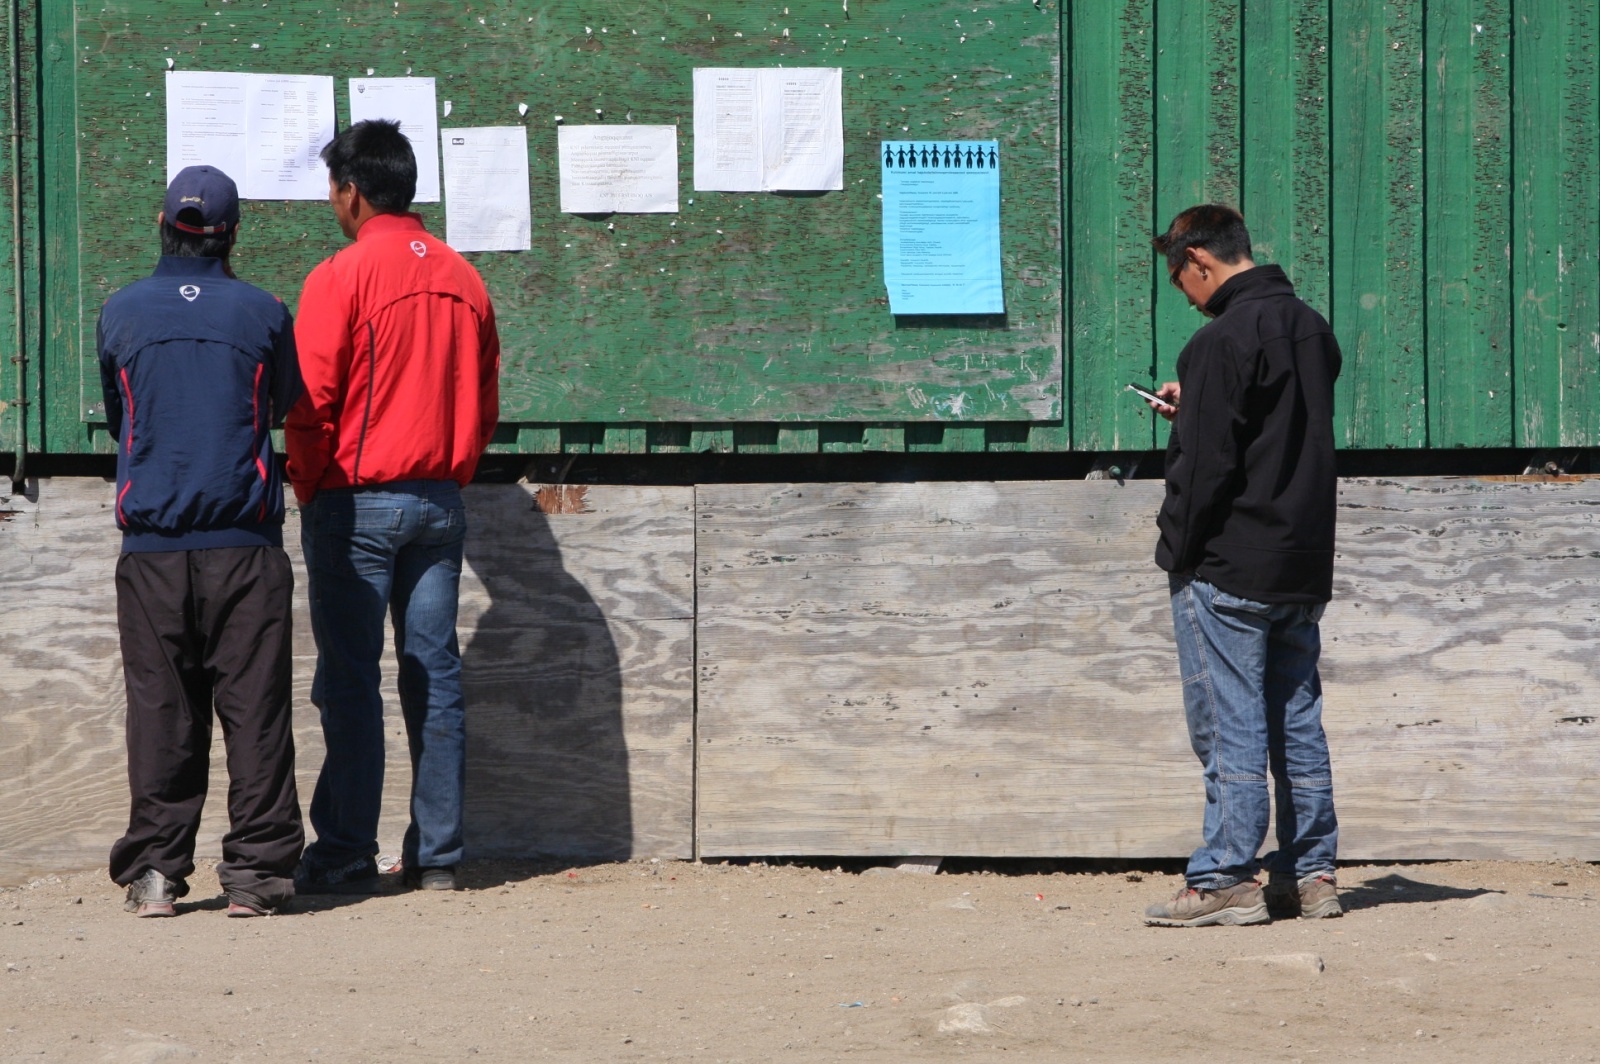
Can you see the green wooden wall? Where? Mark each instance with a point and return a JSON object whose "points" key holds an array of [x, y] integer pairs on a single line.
{"points": [[1428, 171]]}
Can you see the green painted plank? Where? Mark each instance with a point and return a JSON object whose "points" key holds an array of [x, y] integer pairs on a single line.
{"points": [[841, 439], [964, 439], [1113, 268], [1284, 140], [711, 439], [1556, 223], [1376, 94], [1005, 437], [11, 424], [1047, 438], [922, 438], [539, 439], [737, 308], [798, 439], [667, 439], [1197, 113], [581, 439], [626, 438], [1467, 94], [755, 439], [893, 437], [65, 362]]}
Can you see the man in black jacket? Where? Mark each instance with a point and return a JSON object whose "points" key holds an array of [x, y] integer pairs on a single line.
{"points": [[1247, 536], [196, 368]]}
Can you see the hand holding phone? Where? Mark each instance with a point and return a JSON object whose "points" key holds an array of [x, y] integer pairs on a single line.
{"points": [[1167, 408], [1147, 395]]}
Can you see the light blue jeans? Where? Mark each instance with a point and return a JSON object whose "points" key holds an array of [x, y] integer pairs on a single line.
{"points": [[1253, 699], [395, 550]]}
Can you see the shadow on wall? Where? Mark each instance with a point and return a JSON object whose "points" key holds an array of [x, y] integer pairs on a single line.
{"points": [[547, 766]]}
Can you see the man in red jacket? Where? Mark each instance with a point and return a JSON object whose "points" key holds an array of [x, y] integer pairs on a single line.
{"points": [[401, 364]]}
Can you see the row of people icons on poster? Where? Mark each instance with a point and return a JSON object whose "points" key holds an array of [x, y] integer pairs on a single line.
{"points": [[940, 156]]}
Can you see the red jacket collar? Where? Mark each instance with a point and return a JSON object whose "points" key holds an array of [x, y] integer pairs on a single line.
{"points": [[391, 223]]}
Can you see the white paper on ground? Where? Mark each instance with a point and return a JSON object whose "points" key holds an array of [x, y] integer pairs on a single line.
{"points": [[633, 169], [486, 202], [411, 102], [768, 129], [263, 130]]}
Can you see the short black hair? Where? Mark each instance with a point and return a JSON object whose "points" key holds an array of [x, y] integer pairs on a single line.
{"points": [[175, 241], [1218, 229], [377, 158]]}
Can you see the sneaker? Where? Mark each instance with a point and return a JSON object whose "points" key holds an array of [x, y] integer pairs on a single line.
{"points": [[1241, 903], [152, 894], [1315, 897], [243, 904], [359, 876], [429, 878]]}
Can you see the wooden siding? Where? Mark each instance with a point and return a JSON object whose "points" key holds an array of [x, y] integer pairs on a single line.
{"points": [[575, 631], [1428, 172], [988, 669]]}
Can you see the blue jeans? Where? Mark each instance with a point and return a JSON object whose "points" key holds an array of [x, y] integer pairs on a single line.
{"points": [[1253, 699], [396, 549]]}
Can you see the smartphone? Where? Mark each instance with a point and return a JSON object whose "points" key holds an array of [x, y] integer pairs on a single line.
{"points": [[1148, 396]]}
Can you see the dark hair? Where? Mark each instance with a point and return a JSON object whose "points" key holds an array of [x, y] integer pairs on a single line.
{"points": [[175, 241], [377, 158], [1218, 229]]}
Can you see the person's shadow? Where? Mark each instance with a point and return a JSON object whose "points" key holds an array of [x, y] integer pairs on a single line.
{"points": [[547, 765]]}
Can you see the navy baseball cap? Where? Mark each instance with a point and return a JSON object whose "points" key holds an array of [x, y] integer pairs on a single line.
{"points": [[204, 200]]}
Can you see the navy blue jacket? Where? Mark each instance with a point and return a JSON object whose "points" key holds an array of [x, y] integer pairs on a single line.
{"points": [[196, 367]]}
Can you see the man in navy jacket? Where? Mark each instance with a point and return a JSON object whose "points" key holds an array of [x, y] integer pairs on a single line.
{"points": [[197, 366]]}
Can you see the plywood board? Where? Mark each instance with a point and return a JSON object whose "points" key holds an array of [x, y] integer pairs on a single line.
{"points": [[988, 669], [576, 650], [577, 629], [737, 307]]}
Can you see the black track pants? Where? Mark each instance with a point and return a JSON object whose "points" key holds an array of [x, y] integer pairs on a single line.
{"points": [[206, 629]]}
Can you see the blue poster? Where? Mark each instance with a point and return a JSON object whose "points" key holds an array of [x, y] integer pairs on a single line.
{"points": [[941, 227]]}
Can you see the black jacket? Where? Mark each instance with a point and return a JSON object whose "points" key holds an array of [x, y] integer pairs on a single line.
{"points": [[1250, 465], [196, 368]]}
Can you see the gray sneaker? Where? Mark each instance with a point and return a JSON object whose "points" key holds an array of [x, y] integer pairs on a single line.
{"points": [[1241, 903], [429, 878], [152, 894], [1315, 897]]}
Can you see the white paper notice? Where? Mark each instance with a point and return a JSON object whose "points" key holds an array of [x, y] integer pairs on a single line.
{"points": [[804, 107], [263, 130], [633, 169], [207, 121], [727, 131], [768, 130], [291, 118], [411, 102], [486, 203]]}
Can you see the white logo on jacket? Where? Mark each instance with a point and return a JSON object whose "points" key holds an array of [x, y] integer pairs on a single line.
{"points": [[191, 292], [419, 247]]}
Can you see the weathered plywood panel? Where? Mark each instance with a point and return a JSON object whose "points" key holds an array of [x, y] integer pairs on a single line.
{"points": [[988, 669], [577, 629], [576, 650]]}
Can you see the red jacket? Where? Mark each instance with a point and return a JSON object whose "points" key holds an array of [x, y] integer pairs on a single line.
{"points": [[401, 363]]}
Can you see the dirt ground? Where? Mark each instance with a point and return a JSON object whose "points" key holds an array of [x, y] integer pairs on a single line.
{"points": [[805, 962]]}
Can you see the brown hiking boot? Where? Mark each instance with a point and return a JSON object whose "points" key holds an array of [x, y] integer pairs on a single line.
{"points": [[1315, 897], [1241, 903]]}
